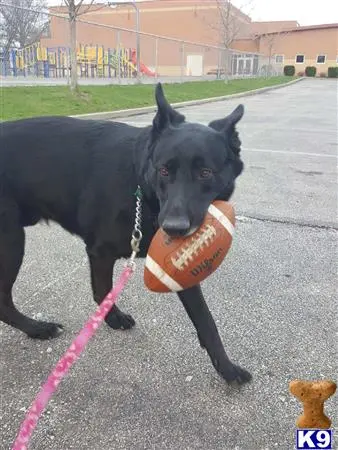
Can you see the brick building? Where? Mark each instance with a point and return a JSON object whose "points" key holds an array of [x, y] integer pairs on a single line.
{"points": [[254, 43], [302, 46]]}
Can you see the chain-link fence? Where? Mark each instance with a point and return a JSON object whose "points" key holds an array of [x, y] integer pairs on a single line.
{"points": [[109, 53]]}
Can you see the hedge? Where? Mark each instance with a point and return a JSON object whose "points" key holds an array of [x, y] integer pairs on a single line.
{"points": [[332, 72], [289, 71], [310, 71]]}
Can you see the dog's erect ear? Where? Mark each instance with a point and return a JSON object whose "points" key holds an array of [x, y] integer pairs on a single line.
{"points": [[228, 127], [165, 115], [228, 122]]}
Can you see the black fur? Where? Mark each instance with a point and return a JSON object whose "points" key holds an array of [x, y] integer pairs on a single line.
{"points": [[83, 175]]}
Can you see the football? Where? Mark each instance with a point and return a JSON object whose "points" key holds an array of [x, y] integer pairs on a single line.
{"points": [[175, 264]]}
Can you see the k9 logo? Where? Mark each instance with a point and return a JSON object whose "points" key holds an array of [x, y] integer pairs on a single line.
{"points": [[313, 439]]}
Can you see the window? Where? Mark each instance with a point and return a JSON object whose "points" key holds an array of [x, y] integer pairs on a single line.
{"points": [[300, 59], [321, 59], [279, 59]]}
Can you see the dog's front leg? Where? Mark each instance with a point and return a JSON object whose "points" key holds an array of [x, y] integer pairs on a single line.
{"points": [[101, 270], [198, 311]]}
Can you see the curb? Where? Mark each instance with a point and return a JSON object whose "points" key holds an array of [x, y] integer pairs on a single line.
{"points": [[149, 109]]}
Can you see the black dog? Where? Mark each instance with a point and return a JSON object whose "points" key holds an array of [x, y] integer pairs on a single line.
{"points": [[83, 174]]}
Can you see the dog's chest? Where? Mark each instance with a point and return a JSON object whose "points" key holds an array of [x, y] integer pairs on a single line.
{"points": [[123, 232]]}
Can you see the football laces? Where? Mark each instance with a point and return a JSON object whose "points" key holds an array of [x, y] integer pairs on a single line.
{"points": [[201, 239]]}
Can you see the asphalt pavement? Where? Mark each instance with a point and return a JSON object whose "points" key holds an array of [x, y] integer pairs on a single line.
{"points": [[274, 300]]}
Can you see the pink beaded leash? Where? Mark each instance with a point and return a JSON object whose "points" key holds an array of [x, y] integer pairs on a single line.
{"points": [[79, 343]]}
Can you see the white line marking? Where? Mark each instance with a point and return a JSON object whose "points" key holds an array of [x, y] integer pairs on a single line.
{"points": [[222, 219], [161, 275], [285, 152], [308, 130]]}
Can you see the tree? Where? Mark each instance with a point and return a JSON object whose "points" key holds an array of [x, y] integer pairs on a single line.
{"points": [[75, 9], [233, 23], [230, 23], [21, 23], [271, 40]]}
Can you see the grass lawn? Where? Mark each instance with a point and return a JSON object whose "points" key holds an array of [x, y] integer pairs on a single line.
{"points": [[18, 102]]}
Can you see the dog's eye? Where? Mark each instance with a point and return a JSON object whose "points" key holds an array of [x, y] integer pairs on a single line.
{"points": [[206, 173], [163, 171]]}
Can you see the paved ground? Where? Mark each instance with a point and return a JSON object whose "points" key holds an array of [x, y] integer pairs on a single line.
{"points": [[273, 300]]}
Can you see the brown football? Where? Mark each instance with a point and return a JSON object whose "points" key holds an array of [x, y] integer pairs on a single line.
{"points": [[175, 264]]}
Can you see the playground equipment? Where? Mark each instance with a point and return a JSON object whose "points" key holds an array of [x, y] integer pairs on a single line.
{"points": [[92, 62], [120, 60], [143, 68]]}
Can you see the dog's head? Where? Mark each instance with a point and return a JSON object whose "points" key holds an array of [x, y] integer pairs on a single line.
{"points": [[189, 165]]}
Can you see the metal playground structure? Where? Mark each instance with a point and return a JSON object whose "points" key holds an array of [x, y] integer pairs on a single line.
{"points": [[54, 62]]}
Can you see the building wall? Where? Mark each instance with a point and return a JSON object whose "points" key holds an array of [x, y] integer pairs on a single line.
{"points": [[269, 27], [246, 45], [310, 43], [194, 21], [191, 20]]}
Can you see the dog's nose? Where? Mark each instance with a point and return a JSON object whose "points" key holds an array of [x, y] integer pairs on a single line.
{"points": [[176, 227]]}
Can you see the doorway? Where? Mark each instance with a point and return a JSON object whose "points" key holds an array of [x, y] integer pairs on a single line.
{"points": [[195, 65]]}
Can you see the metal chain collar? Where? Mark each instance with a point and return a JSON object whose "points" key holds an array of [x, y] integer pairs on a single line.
{"points": [[137, 233]]}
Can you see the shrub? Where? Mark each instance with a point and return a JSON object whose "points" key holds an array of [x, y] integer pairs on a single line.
{"points": [[289, 71], [322, 74], [332, 72], [300, 74], [310, 71]]}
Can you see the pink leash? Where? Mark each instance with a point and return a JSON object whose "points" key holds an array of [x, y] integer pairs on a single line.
{"points": [[67, 360], [81, 340]]}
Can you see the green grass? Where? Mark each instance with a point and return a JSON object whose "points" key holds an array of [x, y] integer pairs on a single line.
{"points": [[18, 102]]}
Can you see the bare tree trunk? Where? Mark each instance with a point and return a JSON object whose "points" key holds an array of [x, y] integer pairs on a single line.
{"points": [[226, 65], [269, 63], [73, 56], [6, 55]]}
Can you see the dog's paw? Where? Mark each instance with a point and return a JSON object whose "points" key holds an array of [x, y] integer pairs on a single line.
{"points": [[45, 330], [120, 321], [236, 374]]}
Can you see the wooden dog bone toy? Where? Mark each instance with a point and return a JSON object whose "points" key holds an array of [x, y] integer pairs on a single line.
{"points": [[313, 394]]}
